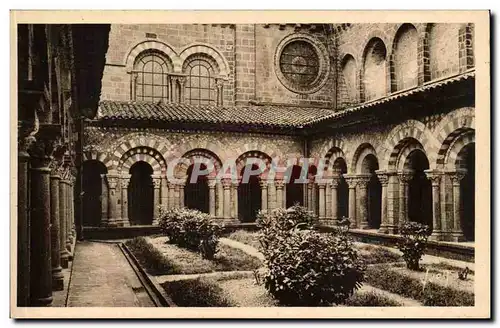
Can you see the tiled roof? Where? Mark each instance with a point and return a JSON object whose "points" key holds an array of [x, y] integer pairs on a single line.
{"points": [[401, 94], [271, 116]]}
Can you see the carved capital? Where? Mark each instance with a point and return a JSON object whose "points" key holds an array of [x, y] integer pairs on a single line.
{"points": [[456, 176], [363, 180], [211, 183], [279, 184], [263, 183], [383, 177], [124, 181], [434, 177], [351, 180], [335, 181], [226, 183], [112, 181], [405, 176], [156, 183]]}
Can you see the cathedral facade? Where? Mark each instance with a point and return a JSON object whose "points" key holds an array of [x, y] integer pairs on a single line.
{"points": [[374, 122]]}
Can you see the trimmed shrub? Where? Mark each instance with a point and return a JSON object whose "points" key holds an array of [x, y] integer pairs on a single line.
{"points": [[370, 299], [150, 258], [413, 242], [191, 229], [200, 292], [305, 267]]}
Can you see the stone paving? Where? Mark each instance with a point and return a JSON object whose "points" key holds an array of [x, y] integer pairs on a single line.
{"points": [[103, 277]]}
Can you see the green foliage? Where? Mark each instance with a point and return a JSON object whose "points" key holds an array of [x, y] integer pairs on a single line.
{"points": [[191, 229], [431, 294], [200, 292], [370, 299], [305, 267], [413, 242], [150, 258]]}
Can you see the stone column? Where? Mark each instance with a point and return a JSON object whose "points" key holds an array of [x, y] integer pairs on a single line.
{"points": [[263, 188], [41, 263], [271, 189], [322, 204], [279, 193], [328, 200], [211, 196], [384, 180], [171, 195], [69, 220], [104, 201], [334, 202], [404, 187], [352, 182], [435, 178], [226, 184], [57, 276], [64, 253], [362, 195], [164, 192], [156, 199], [234, 195], [181, 194], [177, 194], [314, 200], [310, 189], [125, 179], [23, 224], [457, 233], [113, 215], [220, 199]]}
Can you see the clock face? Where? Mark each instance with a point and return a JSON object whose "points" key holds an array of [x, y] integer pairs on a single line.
{"points": [[299, 64]]}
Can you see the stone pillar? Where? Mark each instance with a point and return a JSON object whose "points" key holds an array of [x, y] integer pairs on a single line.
{"points": [[104, 201], [362, 196], [310, 189], [69, 224], [279, 193], [263, 188], [64, 253], [23, 227], [384, 223], [234, 196], [164, 192], [171, 195], [435, 178], [334, 200], [328, 201], [220, 199], [177, 194], [226, 184], [125, 179], [352, 182], [181, 194], [113, 214], [57, 276], [322, 204], [211, 196], [457, 233], [41, 263], [156, 199], [314, 200], [404, 187], [271, 189]]}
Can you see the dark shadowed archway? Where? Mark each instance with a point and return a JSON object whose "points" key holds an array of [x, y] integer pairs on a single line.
{"points": [[420, 189], [140, 194], [294, 189], [369, 166], [249, 196], [92, 192], [196, 192]]}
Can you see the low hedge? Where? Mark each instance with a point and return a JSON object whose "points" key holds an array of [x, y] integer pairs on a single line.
{"points": [[200, 292], [432, 295], [150, 258], [371, 299]]}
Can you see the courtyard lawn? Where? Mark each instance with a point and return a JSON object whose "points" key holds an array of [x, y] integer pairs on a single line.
{"points": [[246, 237]]}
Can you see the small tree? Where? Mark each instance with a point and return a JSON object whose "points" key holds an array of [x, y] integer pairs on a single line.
{"points": [[413, 243]]}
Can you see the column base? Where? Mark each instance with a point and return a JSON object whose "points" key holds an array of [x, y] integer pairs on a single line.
{"points": [[364, 226], [57, 279], [44, 301], [383, 229], [436, 236], [457, 236], [65, 260]]}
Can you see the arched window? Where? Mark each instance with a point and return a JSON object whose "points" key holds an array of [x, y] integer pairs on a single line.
{"points": [[374, 79], [405, 58], [151, 78], [443, 50], [349, 75], [200, 84]]}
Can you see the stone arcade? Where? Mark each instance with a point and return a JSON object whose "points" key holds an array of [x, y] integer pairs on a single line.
{"points": [[389, 107]]}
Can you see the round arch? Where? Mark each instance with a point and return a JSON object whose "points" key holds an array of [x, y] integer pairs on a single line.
{"points": [[361, 152], [144, 154], [206, 49], [159, 46], [452, 159], [241, 161], [198, 154]]}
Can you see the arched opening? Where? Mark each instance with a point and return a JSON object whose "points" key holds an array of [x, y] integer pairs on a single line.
{"points": [[467, 162], [294, 188], [420, 189], [443, 36], [369, 166], [374, 78], [249, 195], [405, 62], [340, 168], [196, 190], [140, 194], [92, 192], [350, 76]]}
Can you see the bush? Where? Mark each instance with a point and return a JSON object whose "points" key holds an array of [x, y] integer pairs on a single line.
{"points": [[413, 243], [191, 229], [370, 299], [200, 292], [281, 220], [150, 258]]}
